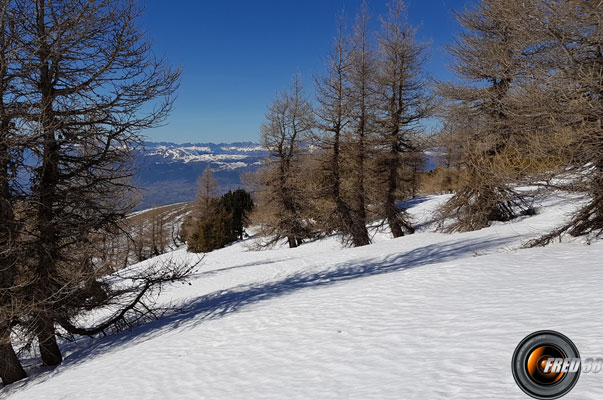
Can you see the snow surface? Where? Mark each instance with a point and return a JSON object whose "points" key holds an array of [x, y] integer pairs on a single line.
{"points": [[427, 316]]}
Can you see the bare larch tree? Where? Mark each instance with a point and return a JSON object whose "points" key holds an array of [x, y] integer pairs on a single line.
{"points": [[402, 102], [207, 192], [11, 147], [488, 57], [289, 122], [571, 73], [89, 72], [333, 119], [362, 122]]}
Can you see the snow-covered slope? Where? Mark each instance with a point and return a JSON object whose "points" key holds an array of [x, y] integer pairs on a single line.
{"points": [[427, 316]]}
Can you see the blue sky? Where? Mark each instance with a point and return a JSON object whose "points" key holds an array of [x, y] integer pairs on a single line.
{"points": [[236, 55]]}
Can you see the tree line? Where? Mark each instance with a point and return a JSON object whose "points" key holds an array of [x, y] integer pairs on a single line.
{"points": [[78, 84], [526, 108], [348, 157]]}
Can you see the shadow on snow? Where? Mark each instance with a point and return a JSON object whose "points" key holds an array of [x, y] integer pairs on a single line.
{"points": [[223, 302]]}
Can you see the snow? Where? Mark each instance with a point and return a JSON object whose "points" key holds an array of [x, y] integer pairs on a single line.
{"points": [[239, 154], [186, 156], [245, 149], [230, 165], [427, 316]]}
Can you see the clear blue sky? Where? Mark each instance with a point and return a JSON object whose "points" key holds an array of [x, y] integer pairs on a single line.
{"points": [[236, 55]]}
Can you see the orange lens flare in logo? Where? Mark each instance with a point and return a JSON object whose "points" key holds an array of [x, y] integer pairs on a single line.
{"points": [[537, 361]]}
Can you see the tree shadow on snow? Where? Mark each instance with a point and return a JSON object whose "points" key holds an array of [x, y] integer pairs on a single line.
{"points": [[410, 203], [221, 303], [251, 264]]}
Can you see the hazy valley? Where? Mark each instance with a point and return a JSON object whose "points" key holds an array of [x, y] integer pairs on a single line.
{"points": [[167, 172]]}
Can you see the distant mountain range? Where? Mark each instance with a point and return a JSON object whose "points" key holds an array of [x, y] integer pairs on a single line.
{"points": [[167, 172]]}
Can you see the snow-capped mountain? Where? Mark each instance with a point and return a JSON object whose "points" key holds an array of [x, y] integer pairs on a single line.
{"points": [[167, 172], [222, 156]]}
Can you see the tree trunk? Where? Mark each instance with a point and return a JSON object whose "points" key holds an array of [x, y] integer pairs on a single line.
{"points": [[49, 240], [395, 226], [349, 225], [292, 241], [10, 367], [395, 218], [363, 72], [391, 208], [49, 349], [360, 235]]}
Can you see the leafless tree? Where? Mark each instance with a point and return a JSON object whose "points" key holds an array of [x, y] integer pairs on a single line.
{"points": [[402, 102], [568, 96], [208, 191], [206, 204], [11, 147], [490, 56], [362, 122], [87, 72], [285, 134], [334, 114]]}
